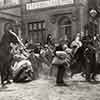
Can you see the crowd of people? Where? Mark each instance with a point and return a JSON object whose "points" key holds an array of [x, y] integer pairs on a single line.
{"points": [[28, 60], [59, 54]]}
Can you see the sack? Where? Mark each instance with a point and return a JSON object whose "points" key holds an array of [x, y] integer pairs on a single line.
{"points": [[57, 61], [61, 54]]}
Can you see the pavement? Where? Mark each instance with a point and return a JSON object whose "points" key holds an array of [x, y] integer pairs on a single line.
{"points": [[45, 89]]}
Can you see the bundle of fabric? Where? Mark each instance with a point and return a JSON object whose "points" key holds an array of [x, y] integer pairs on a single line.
{"points": [[61, 54], [63, 57], [59, 58], [22, 68], [22, 71]]}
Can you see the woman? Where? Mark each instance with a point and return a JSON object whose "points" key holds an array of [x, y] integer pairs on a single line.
{"points": [[49, 39], [77, 42]]}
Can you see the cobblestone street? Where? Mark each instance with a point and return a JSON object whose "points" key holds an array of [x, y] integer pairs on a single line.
{"points": [[43, 89]]}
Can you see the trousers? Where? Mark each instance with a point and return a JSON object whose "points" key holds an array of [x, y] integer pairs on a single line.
{"points": [[60, 73]]}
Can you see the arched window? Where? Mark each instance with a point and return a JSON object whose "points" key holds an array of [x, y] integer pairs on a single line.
{"points": [[65, 27]]}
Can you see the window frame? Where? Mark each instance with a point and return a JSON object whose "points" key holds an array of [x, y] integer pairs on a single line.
{"points": [[37, 31], [6, 3]]}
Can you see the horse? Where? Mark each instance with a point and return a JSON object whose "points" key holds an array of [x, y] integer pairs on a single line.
{"points": [[5, 55]]}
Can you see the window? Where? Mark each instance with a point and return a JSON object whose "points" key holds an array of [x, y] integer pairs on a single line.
{"points": [[65, 27], [27, 1], [37, 32], [8, 3], [36, 0], [11, 2]]}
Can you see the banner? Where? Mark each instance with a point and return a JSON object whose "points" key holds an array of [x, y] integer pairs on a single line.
{"points": [[48, 3]]}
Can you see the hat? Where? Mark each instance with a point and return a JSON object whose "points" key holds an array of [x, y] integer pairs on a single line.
{"points": [[93, 12]]}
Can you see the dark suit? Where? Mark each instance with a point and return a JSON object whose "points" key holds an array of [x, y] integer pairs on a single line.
{"points": [[90, 54]]}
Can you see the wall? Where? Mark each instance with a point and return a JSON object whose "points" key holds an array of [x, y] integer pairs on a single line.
{"points": [[77, 12], [12, 14], [48, 15]]}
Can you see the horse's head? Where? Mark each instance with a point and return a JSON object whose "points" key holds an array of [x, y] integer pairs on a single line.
{"points": [[9, 35], [13, 38]]}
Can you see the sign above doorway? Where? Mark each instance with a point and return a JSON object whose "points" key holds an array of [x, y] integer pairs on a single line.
{"points": [[47, 4]]}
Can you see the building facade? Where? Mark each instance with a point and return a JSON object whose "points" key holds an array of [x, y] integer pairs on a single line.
{"points": [[38, 18], [10, 12], [61, 18]]}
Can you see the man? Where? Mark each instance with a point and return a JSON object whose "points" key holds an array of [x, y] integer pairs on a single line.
{"points": [[89, 42], [9, 29], [91, 28], [60, 67]]}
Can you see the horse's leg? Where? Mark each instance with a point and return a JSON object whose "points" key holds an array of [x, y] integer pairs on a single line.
{"points": [[7, 72], [2, 75], [8, 75]]}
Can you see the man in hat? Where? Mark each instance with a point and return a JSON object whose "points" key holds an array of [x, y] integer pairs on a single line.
{"points": [[91, 28]]}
